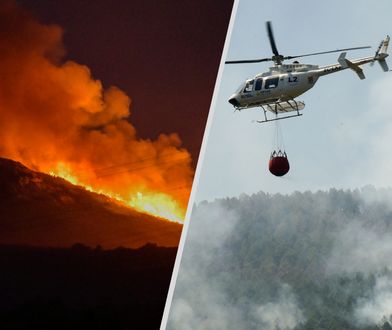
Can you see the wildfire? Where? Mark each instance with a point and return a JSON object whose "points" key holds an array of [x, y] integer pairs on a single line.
{"points": [[56, 118], [157, 204], [154, 203], [63, 172]]}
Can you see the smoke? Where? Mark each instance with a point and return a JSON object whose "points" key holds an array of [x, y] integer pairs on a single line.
{"points": [[283, 314], [56, 118], [200, 299], [358, 248], [287, 262], [364, 246], [380, 196], [379, 307], [199, 303]]}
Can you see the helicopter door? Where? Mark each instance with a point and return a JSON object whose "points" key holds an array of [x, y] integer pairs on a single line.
{"points": [[258, 84]]}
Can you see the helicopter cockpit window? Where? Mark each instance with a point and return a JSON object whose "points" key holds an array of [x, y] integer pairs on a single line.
{"points": [[249, 86], [258, 84], [271, 83], [240, 88]]}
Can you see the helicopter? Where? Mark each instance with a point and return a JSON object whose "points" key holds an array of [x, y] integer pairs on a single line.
{"points": [[276, 89]]}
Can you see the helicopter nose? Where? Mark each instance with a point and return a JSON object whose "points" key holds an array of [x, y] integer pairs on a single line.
{"points": [[233, 100]]}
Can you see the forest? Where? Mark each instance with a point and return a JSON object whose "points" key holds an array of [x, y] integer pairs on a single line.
{"points": [[306, 260]]}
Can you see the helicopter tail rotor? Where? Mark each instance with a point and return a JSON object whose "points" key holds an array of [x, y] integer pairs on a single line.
{"points": [[383, 49], [382, 54]]}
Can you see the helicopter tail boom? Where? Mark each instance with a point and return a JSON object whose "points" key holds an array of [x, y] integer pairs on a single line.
{"points": [[355, 64]]}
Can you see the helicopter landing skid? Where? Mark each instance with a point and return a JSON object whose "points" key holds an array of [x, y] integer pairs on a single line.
{"points": [[282, 107]]}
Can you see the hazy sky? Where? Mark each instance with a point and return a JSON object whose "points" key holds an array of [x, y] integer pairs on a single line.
{"points": [[343, 138]]}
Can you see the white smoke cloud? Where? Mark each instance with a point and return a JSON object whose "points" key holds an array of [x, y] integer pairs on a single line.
{"points": [[380, 196], [365, 246], [197, 302], [360, 249], [200, 301], [379, 307], [283, 314]]}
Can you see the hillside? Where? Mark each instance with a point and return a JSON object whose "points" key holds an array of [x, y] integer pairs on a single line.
{"points": [[41, 210], [304, 261]]}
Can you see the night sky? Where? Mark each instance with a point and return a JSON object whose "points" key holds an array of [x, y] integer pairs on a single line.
{"points": [[165, 56]]}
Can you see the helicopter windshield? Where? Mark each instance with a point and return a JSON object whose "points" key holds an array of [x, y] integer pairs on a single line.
{"points": [[240, 88], [249, 86]]}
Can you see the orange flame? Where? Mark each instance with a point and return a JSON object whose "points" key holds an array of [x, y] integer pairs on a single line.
{"points": [[55, 118], [154, 203], [158, 204]]}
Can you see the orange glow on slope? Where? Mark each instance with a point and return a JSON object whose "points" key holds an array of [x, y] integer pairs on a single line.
{"points": [[56, 118], [154, 203], [63, 172], [157, 204]]}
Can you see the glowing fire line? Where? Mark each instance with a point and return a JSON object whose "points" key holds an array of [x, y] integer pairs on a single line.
{"points": [[153, 203]]}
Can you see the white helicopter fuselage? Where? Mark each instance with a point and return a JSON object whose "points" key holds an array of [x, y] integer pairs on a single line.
{"points": [[285, 82], [280, 83]]}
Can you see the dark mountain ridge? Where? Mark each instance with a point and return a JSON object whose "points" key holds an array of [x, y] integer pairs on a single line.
{"points": [[41, 210]]}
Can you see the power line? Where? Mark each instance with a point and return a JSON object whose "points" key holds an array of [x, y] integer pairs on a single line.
{"points": [[139, 168], [138, 161]]}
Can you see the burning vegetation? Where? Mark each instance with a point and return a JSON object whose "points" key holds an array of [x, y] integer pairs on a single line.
{"points": [[56, 118]]}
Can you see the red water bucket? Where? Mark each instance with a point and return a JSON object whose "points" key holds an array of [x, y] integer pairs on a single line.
{"points": [[279, 164]]}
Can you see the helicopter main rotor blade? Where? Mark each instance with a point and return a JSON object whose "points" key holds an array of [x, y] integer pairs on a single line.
{"points": [[272, 39], [330, 51], [249, 61]]}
